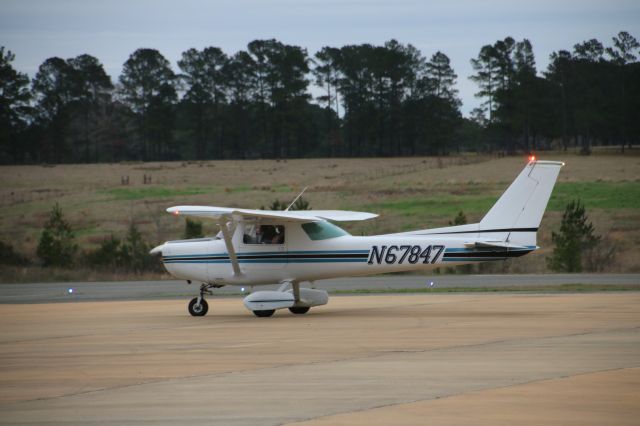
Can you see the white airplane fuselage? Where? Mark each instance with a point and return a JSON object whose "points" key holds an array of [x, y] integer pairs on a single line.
{"points": [[301, 259]]}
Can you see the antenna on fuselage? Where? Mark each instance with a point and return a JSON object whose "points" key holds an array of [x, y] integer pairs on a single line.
{"points": [[296, 199]]}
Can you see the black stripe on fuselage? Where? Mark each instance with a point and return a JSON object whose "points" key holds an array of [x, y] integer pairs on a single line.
{"points": [[279, 256], [488, 254], [306, 256], [484, 231]]}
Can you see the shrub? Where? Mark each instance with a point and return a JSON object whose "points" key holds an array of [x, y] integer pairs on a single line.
{"points": [[300, 204], [8, 256], [192, 229], [57, 246], [135, 252], [576, 237], [460, 219], [130, 254], [109, 254]]}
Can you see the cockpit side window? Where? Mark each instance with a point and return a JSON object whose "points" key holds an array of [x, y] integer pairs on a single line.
{"points": [[264, 234], [322, 230]]}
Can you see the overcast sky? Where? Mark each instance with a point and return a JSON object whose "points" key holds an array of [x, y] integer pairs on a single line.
{"points": [[112, 29]]}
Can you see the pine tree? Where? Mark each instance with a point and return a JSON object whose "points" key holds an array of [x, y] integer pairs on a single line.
{"points": [[147, 86], [135, 251], [108, 255], [575, 237], [57, 246], [14, 106], [442, 78]]}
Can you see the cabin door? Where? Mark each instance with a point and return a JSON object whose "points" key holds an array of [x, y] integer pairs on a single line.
{"points": [[263, 246]]}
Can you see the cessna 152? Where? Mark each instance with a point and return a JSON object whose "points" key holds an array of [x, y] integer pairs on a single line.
{"points": [[256, 247]]}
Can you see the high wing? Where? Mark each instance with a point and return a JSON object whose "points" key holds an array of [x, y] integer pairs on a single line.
{"points": [[211, 212], [226, 215]]}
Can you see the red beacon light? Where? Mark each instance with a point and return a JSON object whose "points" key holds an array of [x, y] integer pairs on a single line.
{"points": [[532, 158]]}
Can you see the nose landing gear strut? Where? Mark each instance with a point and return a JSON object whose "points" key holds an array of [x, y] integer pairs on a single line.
{"points": [[198, 306]]}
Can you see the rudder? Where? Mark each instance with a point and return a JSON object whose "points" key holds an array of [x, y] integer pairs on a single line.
{"points": [[516, 216]]}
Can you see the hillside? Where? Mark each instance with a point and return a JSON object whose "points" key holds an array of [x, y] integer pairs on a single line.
{"points": [[408, 193]]}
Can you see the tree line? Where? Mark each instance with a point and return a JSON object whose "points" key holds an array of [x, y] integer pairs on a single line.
{"points": [[385, 100], [586, 96]]}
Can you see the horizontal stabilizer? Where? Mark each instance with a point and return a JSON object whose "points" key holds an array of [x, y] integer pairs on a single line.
{"points": [[496, 244]]}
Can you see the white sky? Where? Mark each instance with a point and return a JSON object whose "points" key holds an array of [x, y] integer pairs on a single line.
{"points": [[112, 29]]}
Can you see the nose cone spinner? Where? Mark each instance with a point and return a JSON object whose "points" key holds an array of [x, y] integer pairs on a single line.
{"points": [[157, 250]]}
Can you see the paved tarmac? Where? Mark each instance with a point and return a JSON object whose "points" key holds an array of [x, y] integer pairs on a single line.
{"points": [[150, 290], [438, 359]]}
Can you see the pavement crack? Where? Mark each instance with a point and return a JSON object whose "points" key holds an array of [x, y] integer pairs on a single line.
{"points": [[329, 361]]}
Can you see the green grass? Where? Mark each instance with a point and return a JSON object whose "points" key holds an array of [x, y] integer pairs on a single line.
{"points": [[241, 188], [154, 192], [84, 232], [594, 195], [563, 288], [442, 205], [597, 195]]}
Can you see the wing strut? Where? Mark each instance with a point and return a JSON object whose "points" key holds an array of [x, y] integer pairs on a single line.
{"points": [[229, 243]]}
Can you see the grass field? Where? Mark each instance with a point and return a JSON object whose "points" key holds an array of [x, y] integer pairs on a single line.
{"points": [[409, 193]]}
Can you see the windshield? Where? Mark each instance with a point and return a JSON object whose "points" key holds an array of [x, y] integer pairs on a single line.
{"points": [[323, 230]]}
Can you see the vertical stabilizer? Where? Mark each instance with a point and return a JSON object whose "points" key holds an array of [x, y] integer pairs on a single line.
{"points": [[516, 216]]}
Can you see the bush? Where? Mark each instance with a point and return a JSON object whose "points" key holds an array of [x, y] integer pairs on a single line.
{"points": [[107, 256], [576, 237], [56, 246], [8, 256], [460, 219], [300, 204], [135, 252], [192, 229], [130, 254]]}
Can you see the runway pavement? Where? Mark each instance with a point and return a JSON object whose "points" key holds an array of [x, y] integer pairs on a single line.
{"points": [[149, 290], [438, 359]]}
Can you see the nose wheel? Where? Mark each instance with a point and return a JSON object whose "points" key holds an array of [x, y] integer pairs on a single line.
{"points": [[198, 306]]}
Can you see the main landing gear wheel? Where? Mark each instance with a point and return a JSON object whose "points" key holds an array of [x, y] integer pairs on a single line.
{"points": [[265, 313], [198, 309], [299, 310]]}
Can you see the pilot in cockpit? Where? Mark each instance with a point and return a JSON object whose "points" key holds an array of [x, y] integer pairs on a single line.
{"points": [[265, 234]]}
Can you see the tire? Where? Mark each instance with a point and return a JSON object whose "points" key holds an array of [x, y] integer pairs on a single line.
{"points": [[198, 310], [299, 310], [264, 314]]}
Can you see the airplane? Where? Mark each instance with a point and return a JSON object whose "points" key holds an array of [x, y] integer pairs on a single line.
{"points": [[259, 247]]}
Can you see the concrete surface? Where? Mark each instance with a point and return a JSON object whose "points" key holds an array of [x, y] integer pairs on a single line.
{"points": [[150, 290], [384, 359]]}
